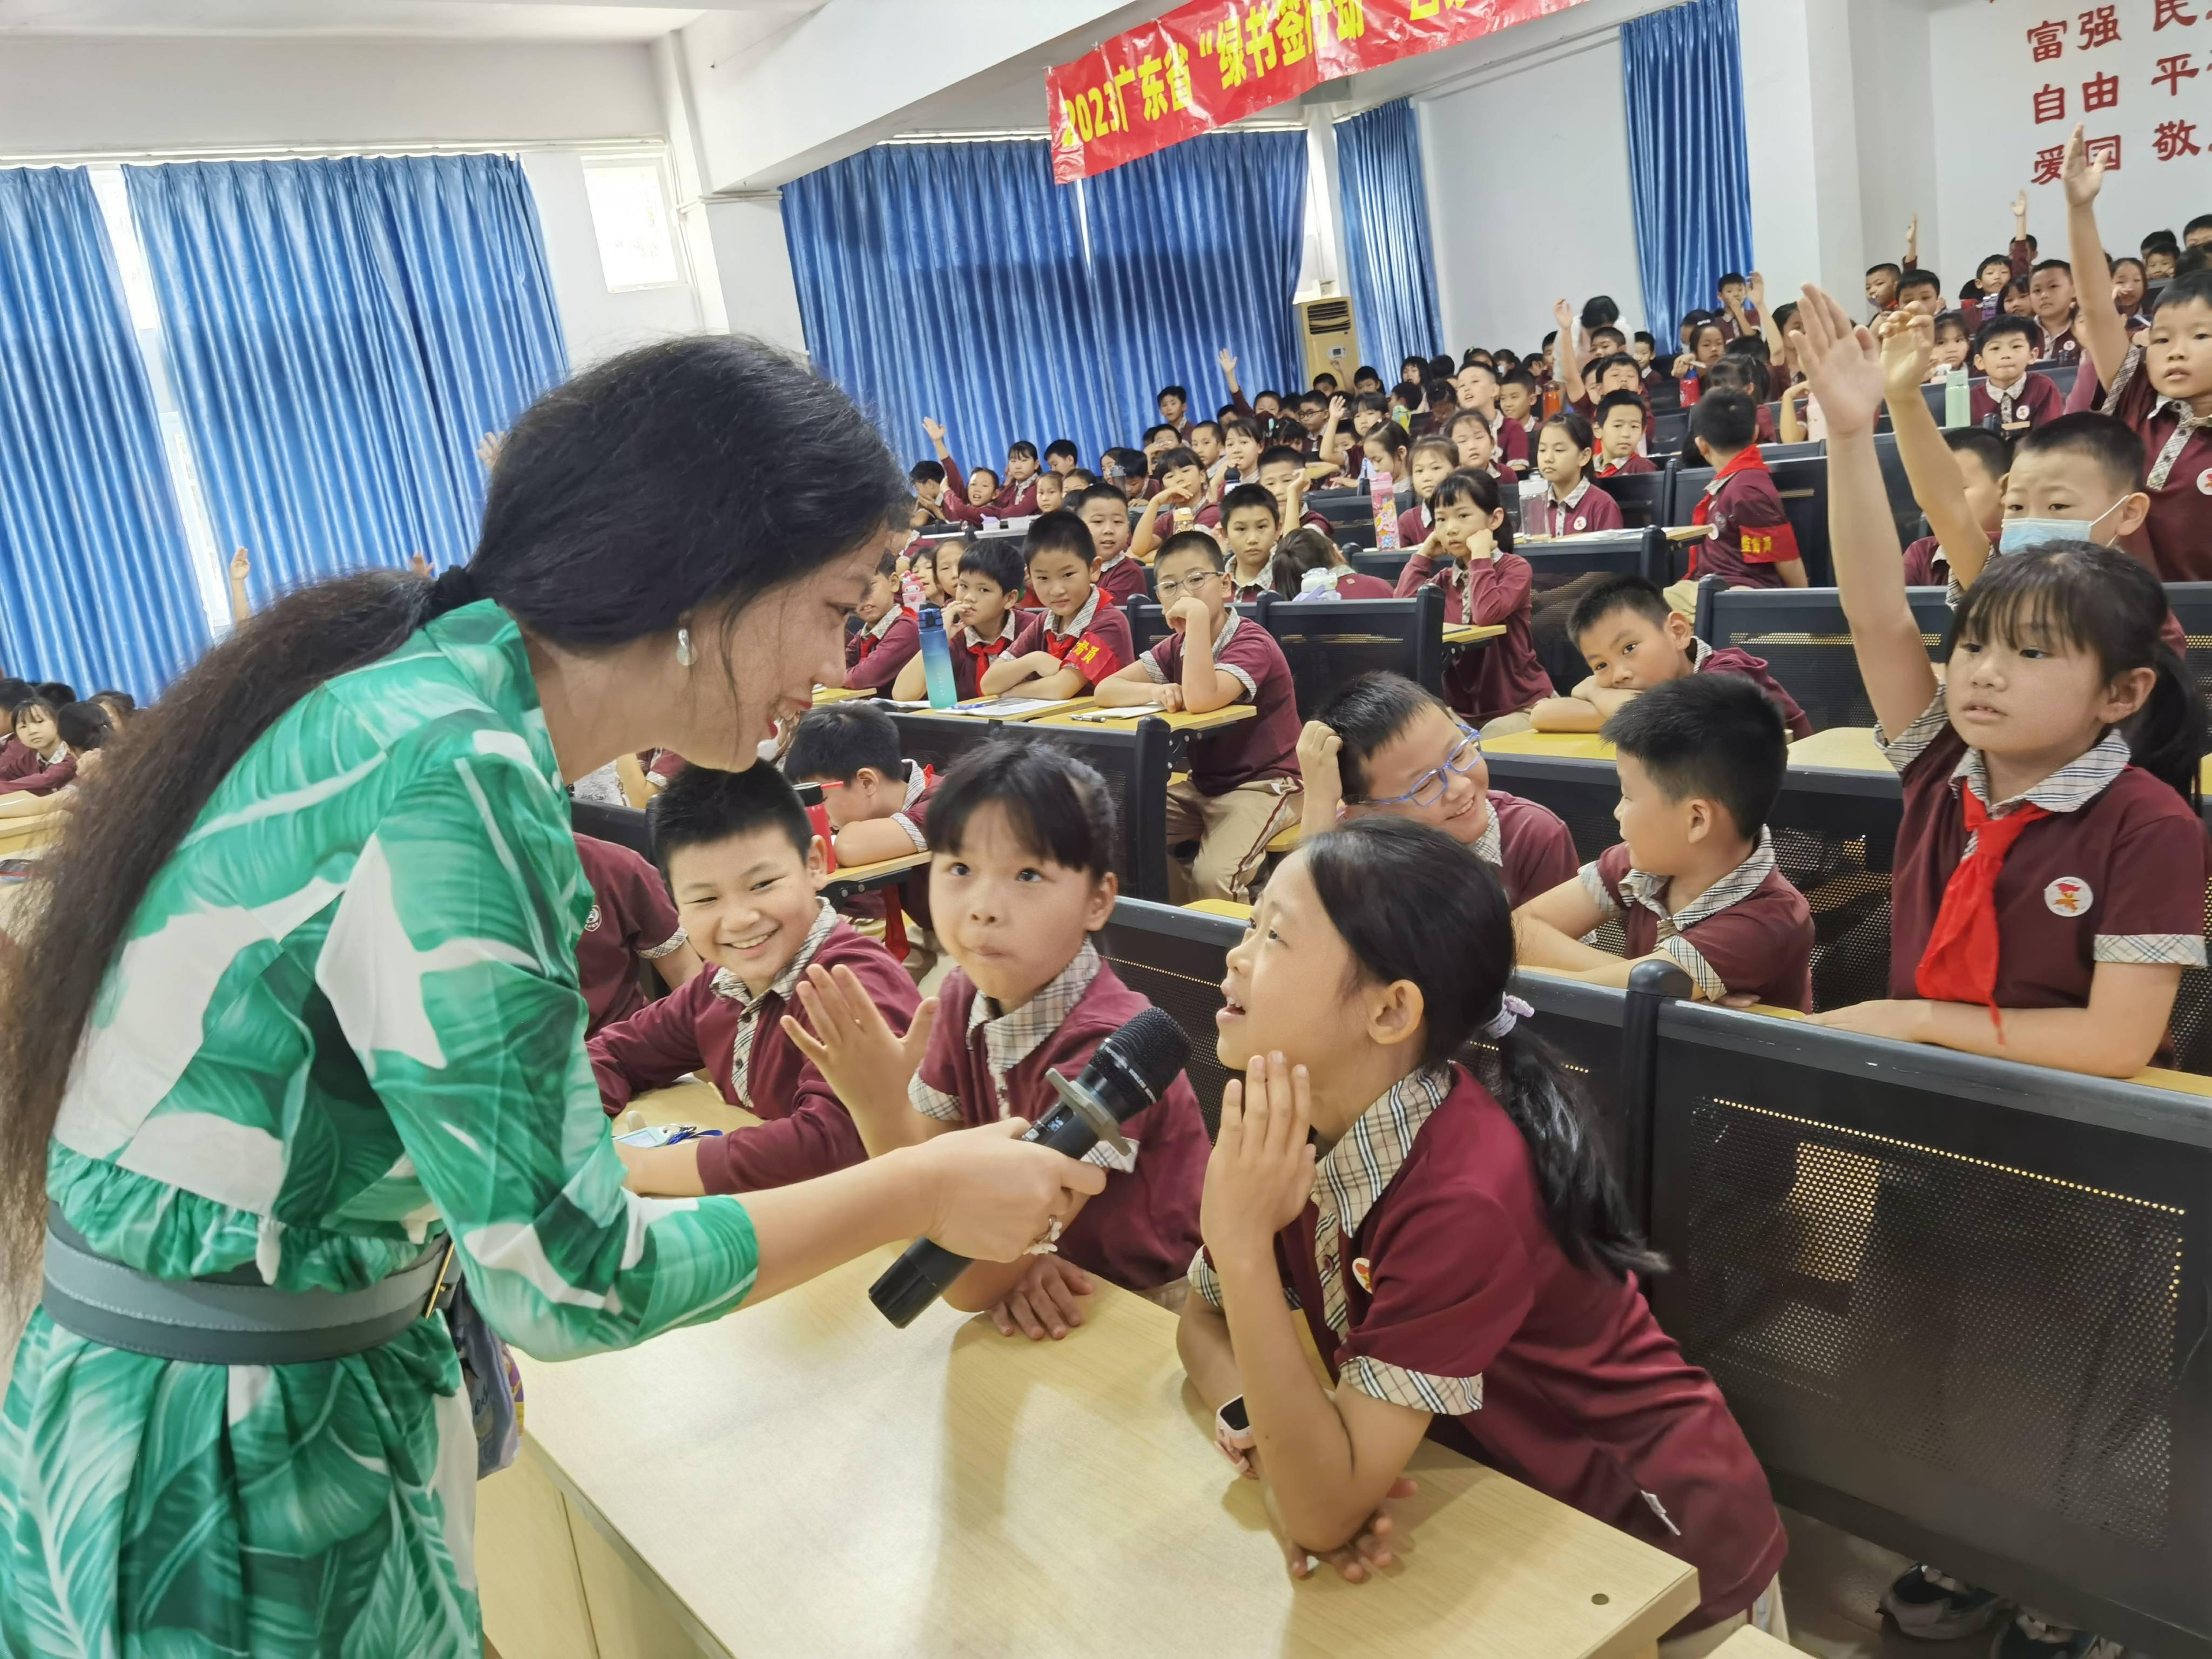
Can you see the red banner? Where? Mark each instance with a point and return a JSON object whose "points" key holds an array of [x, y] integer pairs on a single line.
{"points": [[1212, 62]]}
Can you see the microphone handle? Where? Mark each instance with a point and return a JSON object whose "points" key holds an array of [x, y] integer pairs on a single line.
{"points": [[926, 1269]]}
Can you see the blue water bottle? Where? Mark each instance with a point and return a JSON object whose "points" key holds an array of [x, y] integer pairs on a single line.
{"points": [[937, 659]]}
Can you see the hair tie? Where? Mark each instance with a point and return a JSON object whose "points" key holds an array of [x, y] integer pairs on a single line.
{"points": [[454, 589], [1511, 1011]]}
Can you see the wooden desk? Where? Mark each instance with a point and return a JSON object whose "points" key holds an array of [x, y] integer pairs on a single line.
{"points": [[839, 694], [1181, 721], [850, 878], [1840, 749], [1560, 746], [1222, 907], [1749, 1643], [803, 1480], [1472, 633]]}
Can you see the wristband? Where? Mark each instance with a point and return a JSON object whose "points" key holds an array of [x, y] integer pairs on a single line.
{"points": [[1232, 1434]]}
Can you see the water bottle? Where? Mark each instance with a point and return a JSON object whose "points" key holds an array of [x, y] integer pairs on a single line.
{"points": [[1382, 494], [1957, 399], [937, 659]]}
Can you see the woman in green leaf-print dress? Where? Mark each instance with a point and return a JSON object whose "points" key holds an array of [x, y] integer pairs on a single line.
{"points": [[303, 998]]}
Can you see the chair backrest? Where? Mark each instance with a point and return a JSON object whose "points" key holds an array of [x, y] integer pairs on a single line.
{"points": [[1641, 496], [1801, 481], [1341, 506], [1133, 761], [1902, 507], [1623, 552], [1329, 642], [1668, 431], [1688, 486], [1958, 1305], [625, 826], [1802, 633], [1377, 563], [1174, 958], [2191, 605], [1148, 618], [2060, 375]]}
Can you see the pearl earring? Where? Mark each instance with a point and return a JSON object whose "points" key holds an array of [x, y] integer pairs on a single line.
{"points": [[684, 657]]}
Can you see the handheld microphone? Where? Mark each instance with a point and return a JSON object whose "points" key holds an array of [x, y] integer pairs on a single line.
{"points": [[1131, 1070]]}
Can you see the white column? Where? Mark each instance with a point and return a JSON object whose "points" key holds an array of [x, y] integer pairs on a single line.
{"points": [[1327, 266], [1802, 136], [752, 264]]}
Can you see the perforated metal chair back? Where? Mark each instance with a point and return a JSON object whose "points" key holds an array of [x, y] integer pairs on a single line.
{"points": [[1176, 958], [1328, 643], [1641, 496], [2191, 605]]}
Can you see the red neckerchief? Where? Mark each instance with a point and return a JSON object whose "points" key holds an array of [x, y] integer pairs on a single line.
{"points": [[870, 638], [1961, 961], [1748, 460], [990, 650]]}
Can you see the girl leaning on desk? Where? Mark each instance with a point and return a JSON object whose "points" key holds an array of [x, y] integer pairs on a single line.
{"points": [[309, 1001]]}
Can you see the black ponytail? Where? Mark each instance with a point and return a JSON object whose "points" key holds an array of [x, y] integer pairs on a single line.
{"points": [[1393, 888], [2100, 600], [700, 472]]}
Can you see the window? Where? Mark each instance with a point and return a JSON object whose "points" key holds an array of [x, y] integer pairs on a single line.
{"points": [[630, 215]]}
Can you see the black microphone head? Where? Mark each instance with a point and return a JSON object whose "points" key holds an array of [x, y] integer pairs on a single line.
{"points": [[1143, 1058]]}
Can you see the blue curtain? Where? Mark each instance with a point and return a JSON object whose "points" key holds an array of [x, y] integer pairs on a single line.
{"points": [[1386, 236], [341, 332], [946, 280], [96, 585], [1193, 248], [1682, 79], [951, 280]]}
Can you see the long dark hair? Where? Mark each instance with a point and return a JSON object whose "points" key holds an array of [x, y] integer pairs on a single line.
{"points": [[2100, 600], [1393, 888], [1578, 434], [635, 494]]}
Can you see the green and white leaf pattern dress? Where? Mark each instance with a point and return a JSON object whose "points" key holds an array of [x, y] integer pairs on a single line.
{"points": [[344, 1019]]}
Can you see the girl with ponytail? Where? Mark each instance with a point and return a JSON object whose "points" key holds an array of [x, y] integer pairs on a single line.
{"points": [[1408, 1166]]}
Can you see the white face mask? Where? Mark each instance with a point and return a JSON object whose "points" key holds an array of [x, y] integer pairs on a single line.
{"points": [[2019, 535]]}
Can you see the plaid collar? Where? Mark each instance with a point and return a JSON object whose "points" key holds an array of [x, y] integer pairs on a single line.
{"points": [[883, 625], [1641, 887], [1232, 620], [1359, 1168], [1574, 498], [917, 780], [2069, 789], [731, 988], [2186, 421], [1011, 1038], [1490, 845], [1698, 652], [975, 642], [1082, 618]]}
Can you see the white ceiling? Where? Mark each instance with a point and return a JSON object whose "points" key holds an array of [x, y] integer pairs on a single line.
{"points": [[477, 19]]}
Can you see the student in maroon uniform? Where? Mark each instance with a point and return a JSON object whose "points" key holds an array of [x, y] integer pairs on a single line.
{"points": [[1105, 513], [2161, 390], [2013, 396], [1455, 1240], [15, 757], [1062, 457], [1621, 418], [2060, 940], [1283, 474], [1738, 370], [54, 762], [746, 869], [1518, 397], [631, 920], [1242, 787], [1251, 524], [1385, 746], [1469, 555], [1882, 281], [981, 620], [1474, 443], [1429, 463], [1018, 498], [1021, 875], [1706, 345], [888, 636], [928, 478], [967, 498], [1309, 565], [1921, 291], [1572, 506], [1633, 640], [1961, 490], [1736, 316], [1693, 878], [876, 800], [1955, 345], [1182, 491], [1081, 637], [1388, 447], [2050, 290], [1750, 541], [1242, 444], [1173, 402], [1051, 494]]}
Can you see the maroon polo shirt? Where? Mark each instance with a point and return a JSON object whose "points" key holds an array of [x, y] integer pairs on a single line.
{"points": [[16, 758], [1123, 581], [1248, 751], [2059, 348], [1358, 585], [666, 763], [1582, 1395], [807, 1131], [2093, 884], [1590, 510], [1732, 659], [872, 663], [954, 500], [1633, 465], [1539, 852], [40, 779], [1516, 444], [1925, 565], [1746, 501], [1142, 1230], [1413, 524], [1759, 944], [2179, 530], [1100, 648], [1015, 500], [1500, 676], [632, 919], [2035, 400], [971, 658]]}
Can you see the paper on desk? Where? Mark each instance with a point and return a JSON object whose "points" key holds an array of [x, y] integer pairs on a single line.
{"points": [[1015, 705]]}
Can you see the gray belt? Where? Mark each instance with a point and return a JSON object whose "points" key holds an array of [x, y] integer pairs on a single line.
{"points": [[234, 1318]]}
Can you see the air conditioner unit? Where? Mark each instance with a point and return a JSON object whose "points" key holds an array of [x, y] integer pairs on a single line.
{"points": [[1331, 342]]}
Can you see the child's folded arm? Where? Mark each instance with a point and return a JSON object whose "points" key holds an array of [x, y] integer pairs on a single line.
{"points": [[1497, 591], [654, 1049], [1566, 715], [818, 1135], [913, 681], [1128, 687], [2117, 1034], [870, 840], [1550, 926]]}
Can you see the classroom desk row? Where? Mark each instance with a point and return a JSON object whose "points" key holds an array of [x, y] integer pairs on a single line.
{"points": [[801, 1479], [1064, 712]]}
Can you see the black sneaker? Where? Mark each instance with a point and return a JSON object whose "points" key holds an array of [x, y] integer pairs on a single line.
{"points": [[1931, 1607], [2031, 1635]]}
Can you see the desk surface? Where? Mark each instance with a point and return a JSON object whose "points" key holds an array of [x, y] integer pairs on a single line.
{"points": [[1841, 748], [1068, 708], [803, 1480], [1752, 1644], [839, 694], [1181, 721], [1563, 745], [1472, 633], [881, 868]]}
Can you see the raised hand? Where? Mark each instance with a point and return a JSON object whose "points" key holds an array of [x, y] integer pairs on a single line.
{"points": [[852, 1045], [1908, 341], [1227, 359], [2020, 209], [1757, 285], [419, 566], [2083, 177], [487, 449], [1843, 364], [933, 429], [242, 563]]}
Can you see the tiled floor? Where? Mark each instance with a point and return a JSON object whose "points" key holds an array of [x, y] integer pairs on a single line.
{"points": [[1832, 1584]]}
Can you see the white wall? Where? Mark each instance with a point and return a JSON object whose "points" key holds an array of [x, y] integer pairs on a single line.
{"points": [[598, 324], [1987, 138], [1528, 200], [1801, 139]]}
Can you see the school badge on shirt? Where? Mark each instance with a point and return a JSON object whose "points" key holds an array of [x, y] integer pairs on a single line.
{"points": [[592, 921], [1363, 1271], [2204, 482], [2069, 896]]}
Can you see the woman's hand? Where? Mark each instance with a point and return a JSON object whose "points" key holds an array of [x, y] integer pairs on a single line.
{"points": [[990, 1196], [1047, 1302], [1261, 1174], [853, 1045], [1843, 365]]}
